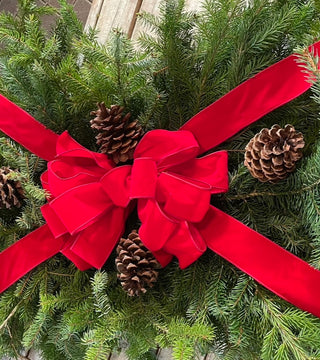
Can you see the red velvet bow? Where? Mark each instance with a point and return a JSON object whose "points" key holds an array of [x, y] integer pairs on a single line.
{"points": [[173, 189]]}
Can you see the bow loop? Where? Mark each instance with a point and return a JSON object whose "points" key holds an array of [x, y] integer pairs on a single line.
{"points": [[172, 237], [211, 169], [74, 165], [89, 200], [76, 181], [183, 198], [167, 148], [68, 147], [67, 173]]}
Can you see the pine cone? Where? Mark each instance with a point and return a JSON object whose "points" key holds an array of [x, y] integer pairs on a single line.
{"points": [[11, 192], [118, 135], [136, 265], [272, 154]]}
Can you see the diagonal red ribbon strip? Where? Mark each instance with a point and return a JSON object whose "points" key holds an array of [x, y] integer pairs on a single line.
{"points": [[159, 206], [277, 269], [33, 135], [254, 98]]}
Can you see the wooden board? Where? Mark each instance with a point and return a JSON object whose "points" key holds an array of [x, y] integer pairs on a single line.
{"points": [[121, 356], [164, 354], [106, 15], [152, 7], [94, 14]]}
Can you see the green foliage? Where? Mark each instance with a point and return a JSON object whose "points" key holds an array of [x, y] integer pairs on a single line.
{"points": [[184, 338], [219, 48], [17, 222], [115, 73], [33, 63], [186, 62]]}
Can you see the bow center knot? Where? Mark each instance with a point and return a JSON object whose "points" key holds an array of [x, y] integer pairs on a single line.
{"points": [[128, 182], [143, 178]]}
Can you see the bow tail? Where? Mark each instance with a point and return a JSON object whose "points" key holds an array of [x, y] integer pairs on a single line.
{"points": [[167, 237], [90, 248], [187, 244], [26, 254], [95, 244], [272, 266]]}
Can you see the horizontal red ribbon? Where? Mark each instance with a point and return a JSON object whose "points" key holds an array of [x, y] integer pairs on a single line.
{"points": [[91, 198]]}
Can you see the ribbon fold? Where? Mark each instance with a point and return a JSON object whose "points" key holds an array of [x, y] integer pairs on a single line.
{"points": [[172, 186]]}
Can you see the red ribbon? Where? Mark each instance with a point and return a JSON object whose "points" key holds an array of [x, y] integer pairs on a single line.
{"points": [[90, 198]]}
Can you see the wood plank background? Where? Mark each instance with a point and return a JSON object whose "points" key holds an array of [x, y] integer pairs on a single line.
{"points": [[106, 15]]}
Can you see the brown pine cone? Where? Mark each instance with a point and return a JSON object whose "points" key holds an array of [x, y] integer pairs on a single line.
{"points": [[136, 265], [118, 134], [272, 154], [11, 192]]}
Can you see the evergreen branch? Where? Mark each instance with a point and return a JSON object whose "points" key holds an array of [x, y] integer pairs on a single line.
{"points": [[288, 338], [269, 193], [313, 63], [12, 343], [59, 274], [12, 313], [221, 36]]}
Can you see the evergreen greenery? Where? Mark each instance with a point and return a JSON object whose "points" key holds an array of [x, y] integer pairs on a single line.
{"points": [[184, 63]]}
